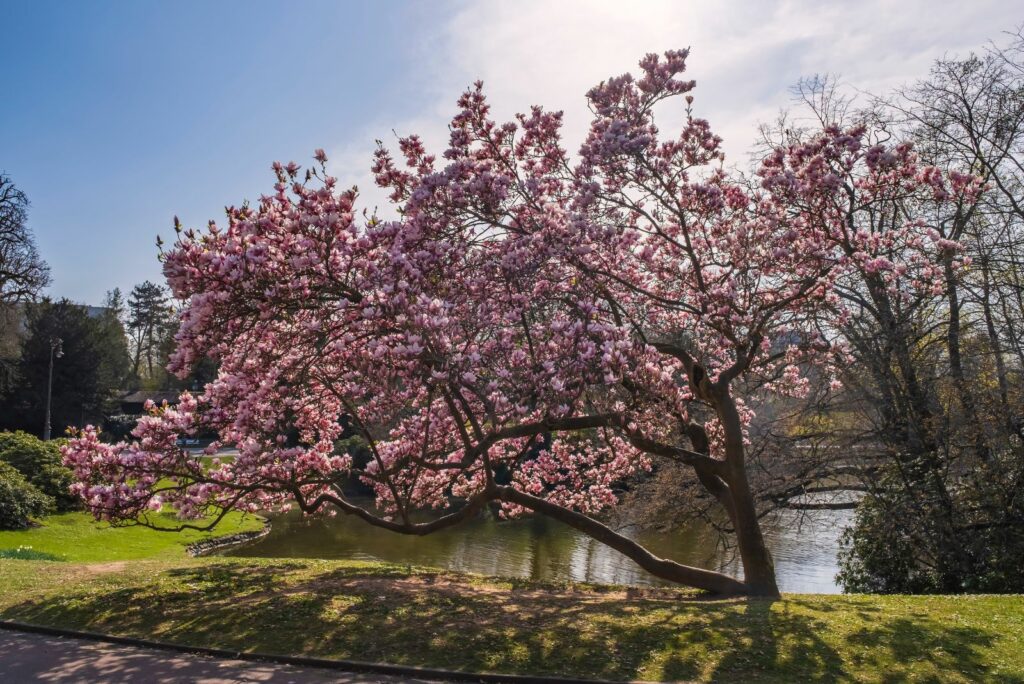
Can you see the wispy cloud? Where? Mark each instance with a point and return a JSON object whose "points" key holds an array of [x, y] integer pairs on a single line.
{"points": [[745, 56]]}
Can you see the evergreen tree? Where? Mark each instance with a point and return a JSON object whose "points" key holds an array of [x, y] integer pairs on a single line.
{"points": [[86, 375], [149, 321]]}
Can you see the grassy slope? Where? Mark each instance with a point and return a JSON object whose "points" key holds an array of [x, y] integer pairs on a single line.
{"points": [[77, 537], [369, 611]]}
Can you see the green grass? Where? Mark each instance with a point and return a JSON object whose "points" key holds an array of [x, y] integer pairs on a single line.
{"points": [[78, 537], [28, 553], [417, 616]]}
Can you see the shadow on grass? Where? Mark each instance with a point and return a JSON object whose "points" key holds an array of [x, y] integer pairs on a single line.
{"points": [[28, 553], [382, 613]]}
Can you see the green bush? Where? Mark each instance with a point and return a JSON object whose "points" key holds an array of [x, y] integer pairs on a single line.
{"points": [[878, 556], [19, 499], [40, 463], [884, 551], [55, 481], [27, 452]]}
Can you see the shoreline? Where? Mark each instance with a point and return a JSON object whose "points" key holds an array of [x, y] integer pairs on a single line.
{"points": [[205, 547]]}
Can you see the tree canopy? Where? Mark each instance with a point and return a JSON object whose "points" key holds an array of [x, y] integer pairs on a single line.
{"points": [[85, 377], [536, 326]]}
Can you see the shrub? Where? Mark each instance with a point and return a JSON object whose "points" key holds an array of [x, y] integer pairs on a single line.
{"points": [[19, 499], [26, 452], [55, 481], [878, 557], [892, 548], [40, 463]]}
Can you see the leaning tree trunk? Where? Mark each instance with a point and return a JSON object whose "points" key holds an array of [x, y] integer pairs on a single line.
{"points": [[758, 568], [699, 578], [729, 485]]}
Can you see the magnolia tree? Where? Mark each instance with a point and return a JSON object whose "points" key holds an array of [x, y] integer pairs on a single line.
{"points": [[533, 329]]}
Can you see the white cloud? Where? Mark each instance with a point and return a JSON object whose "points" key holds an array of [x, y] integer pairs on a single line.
{"points": [[745, 56]]}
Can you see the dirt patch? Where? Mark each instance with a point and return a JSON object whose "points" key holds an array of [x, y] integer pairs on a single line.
{"points": [[104, 568]]}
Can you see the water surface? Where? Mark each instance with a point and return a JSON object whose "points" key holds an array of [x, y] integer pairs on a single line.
{"points": [[804, 548]]}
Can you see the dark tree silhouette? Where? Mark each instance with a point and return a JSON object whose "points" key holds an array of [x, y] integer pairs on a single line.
{"points": [[23, 273]]}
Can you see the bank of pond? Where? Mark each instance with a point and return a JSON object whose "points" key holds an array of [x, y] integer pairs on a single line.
{"points": [[804, 546], [541, 616], [381, 612], [533, 548]]}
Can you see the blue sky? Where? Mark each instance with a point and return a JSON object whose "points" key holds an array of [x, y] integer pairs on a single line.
{"points": [[117, 115]]}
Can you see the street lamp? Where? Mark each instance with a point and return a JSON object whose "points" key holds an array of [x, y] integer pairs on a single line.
{"points": [[56, 350]]}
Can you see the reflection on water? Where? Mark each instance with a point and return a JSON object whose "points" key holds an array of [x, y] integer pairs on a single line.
{"points": [[539, 548]]}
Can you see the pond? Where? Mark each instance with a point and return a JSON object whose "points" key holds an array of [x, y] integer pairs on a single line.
{"points": [[804, 548]]}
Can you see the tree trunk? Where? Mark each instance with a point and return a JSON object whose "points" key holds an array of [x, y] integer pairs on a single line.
{"points": [[993, 337], [758, 568], [956, 364], [670, 570]]}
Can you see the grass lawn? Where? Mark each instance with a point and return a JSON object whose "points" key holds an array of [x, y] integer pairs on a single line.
{"points": [[417, 616], [78, 537]]}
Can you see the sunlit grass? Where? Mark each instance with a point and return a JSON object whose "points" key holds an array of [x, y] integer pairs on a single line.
{"points": [[78, 537], [419, 616]]}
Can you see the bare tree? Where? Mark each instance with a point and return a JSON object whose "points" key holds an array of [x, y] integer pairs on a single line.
{"points": [[23, 273], [933, 403]]}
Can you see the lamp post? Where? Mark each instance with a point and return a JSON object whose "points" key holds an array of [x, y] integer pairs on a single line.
{"points": [[55, 351]]}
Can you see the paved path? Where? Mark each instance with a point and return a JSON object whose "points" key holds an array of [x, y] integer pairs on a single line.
{"points": [[28, 657]]}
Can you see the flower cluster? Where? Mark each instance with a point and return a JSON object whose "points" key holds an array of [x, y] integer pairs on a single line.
{"points": [[531, 321]]}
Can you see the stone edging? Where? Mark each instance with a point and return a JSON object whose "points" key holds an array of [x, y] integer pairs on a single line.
{"points": [[205, 546]]}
